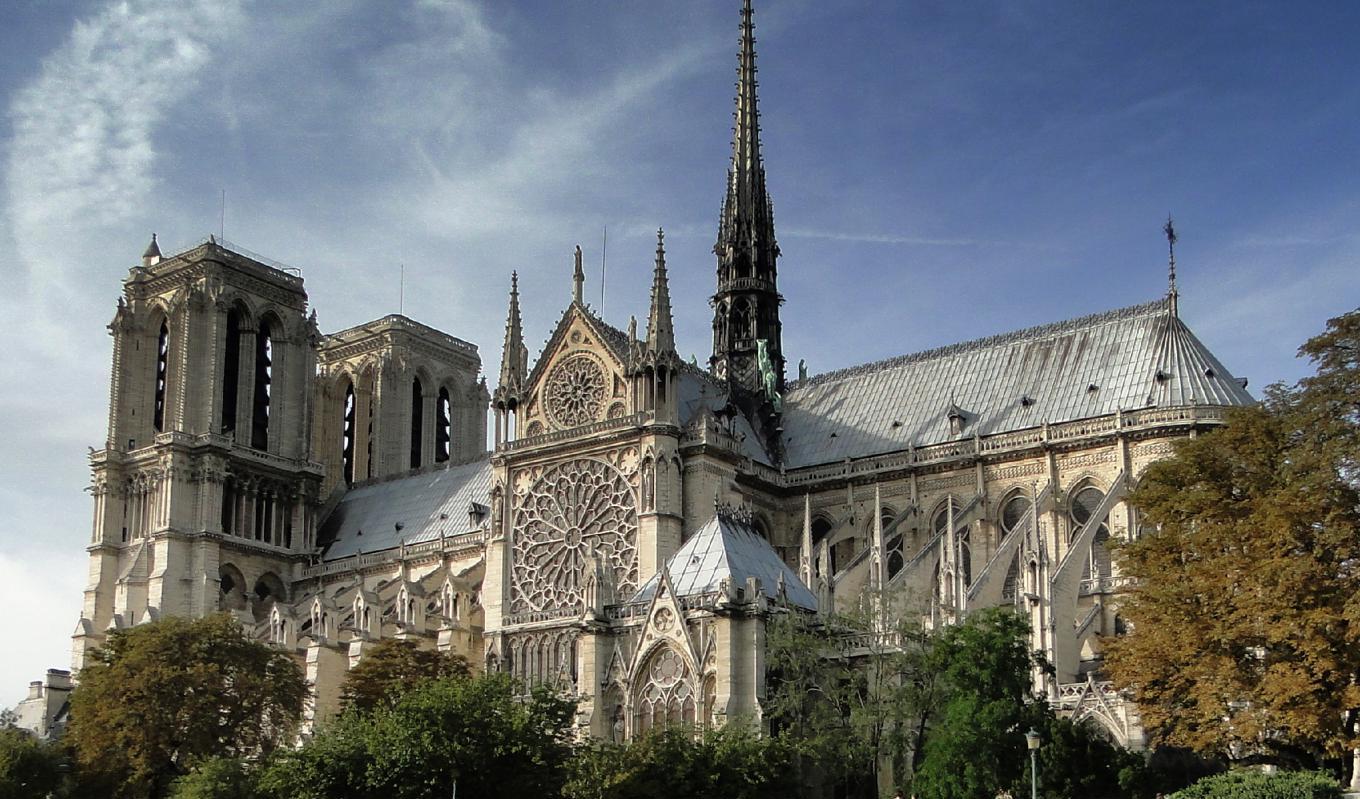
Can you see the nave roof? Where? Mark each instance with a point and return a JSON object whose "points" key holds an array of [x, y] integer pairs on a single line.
{"points": [[1130, 358]]}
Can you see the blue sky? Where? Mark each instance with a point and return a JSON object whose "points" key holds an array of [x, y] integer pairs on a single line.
{"points": [[940, 171]]}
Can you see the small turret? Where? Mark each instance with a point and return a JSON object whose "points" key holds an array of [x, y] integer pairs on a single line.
{"points": [[152, 256]]}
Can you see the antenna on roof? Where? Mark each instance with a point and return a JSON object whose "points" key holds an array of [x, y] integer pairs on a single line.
{"points": [[1172, 295], [222, 217], [604, 249], [401, 292]]}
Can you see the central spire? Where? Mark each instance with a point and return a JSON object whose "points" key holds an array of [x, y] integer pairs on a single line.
{"points": [[746, 303]]}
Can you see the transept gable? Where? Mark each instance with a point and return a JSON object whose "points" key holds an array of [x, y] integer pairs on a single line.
{"points": [[665, 626], [579, 377]]}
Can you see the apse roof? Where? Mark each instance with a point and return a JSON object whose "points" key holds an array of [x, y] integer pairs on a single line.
{"points": [[1137, 357], [417, 507], [726, 547]]}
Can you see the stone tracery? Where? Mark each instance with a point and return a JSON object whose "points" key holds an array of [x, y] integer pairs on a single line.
{"points": [[667, 692], [576, 391], [572, 508]]}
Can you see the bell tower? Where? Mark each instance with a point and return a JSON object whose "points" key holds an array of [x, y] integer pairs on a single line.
{"points": [[746, 303], [205, 498]]}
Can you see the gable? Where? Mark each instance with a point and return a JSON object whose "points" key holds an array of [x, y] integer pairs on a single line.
{"points": [[579, 379]]}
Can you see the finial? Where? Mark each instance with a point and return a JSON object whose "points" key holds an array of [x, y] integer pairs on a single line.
{"points": [[1172, 294], [578, 280]]}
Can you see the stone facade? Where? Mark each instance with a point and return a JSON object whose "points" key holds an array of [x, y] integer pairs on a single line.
{"points": [[638, 520]]}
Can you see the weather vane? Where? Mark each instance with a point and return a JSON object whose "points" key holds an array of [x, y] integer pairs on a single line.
{"points": [[1170, 231]]}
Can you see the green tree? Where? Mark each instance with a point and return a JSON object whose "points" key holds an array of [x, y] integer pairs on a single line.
{"points": [[481, 733], [392, 667], [732, 762], [218, 778], [975, 744], [1246, 616], [28, 767], [161, 698]]}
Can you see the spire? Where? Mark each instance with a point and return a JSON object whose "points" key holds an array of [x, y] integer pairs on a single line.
{"points": [[578, 280], [1172, 295], [514, 356], [660, 326], [746, 303], [152, 256]]}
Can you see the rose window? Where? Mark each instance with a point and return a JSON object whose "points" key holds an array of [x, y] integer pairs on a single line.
{"points": [[573, 508], [576, 391]]}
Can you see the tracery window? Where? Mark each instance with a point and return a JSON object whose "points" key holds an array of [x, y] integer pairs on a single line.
{"points": [[667, 695], [162, 372], [571, 508], [1013, 512]]}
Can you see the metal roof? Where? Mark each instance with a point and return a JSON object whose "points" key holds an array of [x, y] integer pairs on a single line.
{"points": [[723, 548], [1137, 357], [417, 507]]}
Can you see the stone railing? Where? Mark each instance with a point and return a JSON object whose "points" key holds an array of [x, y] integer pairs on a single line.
{"points": [[452, 543], [557, 436], [978, 446], [1092, 586]]}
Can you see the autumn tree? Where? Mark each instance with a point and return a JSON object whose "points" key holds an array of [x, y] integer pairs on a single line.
{"points": [[1246, 613], [392, 667], [160, 698]]}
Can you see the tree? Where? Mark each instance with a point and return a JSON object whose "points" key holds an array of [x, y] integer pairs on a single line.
{"points": [[392, 667], [218, 778], [28, 767], [159, 699], [732, 762], [975, 744], [482, 733], [1246, 614]]}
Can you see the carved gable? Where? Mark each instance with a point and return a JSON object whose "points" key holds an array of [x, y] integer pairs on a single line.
{"points": [[579, 378]]}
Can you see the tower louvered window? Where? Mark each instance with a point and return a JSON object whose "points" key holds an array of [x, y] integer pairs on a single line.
{"points": [[162, 372], [444, 432], [417, 422], [347, 435], [264, 376], [231, 368]]}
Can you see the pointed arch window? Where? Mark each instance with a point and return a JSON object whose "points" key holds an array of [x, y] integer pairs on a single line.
{"points": [[1013, 512], [264, 377], [417, 421], [347, 435], [821, 528], [162, 373], [443, 437], [667, 695], [231, 371]]}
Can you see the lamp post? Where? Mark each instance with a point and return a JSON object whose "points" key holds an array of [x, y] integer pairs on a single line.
{"points": [[1032, 740]]}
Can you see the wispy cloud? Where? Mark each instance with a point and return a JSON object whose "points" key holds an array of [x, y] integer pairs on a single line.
{"points": [[83, 143]]}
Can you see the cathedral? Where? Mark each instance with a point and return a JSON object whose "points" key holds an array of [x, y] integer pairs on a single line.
{"points": [[638, 520]]}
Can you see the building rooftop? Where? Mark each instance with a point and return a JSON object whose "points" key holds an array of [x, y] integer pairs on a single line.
{"points": [[1131, 358]]}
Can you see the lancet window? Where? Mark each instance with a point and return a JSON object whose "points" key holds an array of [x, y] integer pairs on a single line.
{"points": [[347, 434], [231, 368], [264, 376], [443, 439], [162, 373], [417, 421], [667, 693]]}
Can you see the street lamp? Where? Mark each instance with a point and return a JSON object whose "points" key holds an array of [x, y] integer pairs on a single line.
{"points": [[1032, 740]]}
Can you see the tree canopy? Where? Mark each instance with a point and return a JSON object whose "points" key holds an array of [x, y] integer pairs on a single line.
{"points": [[160, 698], [393, 667], [1246, 614]]}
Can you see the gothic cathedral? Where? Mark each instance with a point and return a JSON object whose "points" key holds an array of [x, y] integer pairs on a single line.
{"points": [[639, 519]]}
